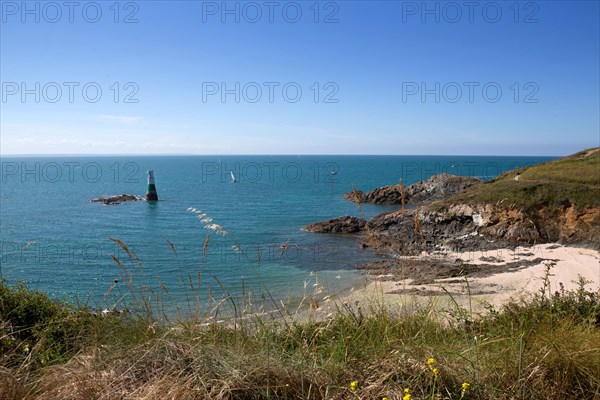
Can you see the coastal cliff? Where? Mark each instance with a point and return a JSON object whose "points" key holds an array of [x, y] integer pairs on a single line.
{"points": [[557, 201], [437, 187]]}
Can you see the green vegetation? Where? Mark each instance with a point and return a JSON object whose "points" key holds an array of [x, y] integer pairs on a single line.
{"points": [[39, 331], [547, 347], [570, 180]]}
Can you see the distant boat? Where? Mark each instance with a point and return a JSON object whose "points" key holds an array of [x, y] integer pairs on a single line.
{"points": [[233, 179], [333, 172]]}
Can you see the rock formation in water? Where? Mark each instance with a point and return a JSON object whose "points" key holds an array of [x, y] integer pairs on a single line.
{"points": [[345, 224], [111, 200]]}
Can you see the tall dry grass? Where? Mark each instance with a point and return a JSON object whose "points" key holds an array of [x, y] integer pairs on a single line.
{"points": [[546, 348]]}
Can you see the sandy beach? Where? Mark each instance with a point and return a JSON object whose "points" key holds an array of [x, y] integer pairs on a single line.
{"points": [[566, 264], [495, 277]]}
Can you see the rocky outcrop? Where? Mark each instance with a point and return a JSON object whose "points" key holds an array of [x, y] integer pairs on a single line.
{"points": [[557, 201], [437, 187], [429, 270], [459, 227], [111, 200], [467, 227], [570, 224], [346, 224]]}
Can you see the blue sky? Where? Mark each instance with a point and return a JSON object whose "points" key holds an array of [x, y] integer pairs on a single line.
{"points": [[376, 77]]}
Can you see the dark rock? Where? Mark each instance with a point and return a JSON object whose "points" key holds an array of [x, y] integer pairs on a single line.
{"points": [[464, 227], [345, 224], [111, 200], [429, 270], [437, 187], [459, 227]]}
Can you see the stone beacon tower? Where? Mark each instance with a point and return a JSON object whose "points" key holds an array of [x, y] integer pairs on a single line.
{"points": [[151, 194]]}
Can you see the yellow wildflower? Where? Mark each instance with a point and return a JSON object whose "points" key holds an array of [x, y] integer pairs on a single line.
{"points": [[354, 385], [406, 397], [465, 386], [435, 371], [430, 361]]}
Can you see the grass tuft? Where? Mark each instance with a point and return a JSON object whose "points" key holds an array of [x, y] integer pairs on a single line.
{"points": [[546, 347]]}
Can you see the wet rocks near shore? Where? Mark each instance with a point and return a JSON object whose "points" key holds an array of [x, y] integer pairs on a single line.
{"points": [[345, 224], [412, 231], [437, 187], [425, 271], [464, 227], [118, 199]]}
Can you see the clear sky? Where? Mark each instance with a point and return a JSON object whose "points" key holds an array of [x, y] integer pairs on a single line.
{"points": [[304, 77]]}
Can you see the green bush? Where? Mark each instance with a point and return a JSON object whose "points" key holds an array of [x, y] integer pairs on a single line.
{"points": [[35, 327]]}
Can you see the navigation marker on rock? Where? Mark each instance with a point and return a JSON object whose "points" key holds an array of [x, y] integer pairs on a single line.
{"points": [[151, 194]]}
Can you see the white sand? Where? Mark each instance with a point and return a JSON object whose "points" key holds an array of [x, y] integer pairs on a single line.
{"points": [[569, 264]]}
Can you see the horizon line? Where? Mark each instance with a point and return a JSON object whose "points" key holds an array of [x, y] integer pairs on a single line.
{"points": [[269, 155]]}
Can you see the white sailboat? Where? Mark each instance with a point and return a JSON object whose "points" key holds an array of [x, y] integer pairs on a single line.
{"points": [[233, 178]]}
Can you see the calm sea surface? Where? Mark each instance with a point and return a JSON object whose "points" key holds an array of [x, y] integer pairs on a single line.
{"points": [[54, 239]]}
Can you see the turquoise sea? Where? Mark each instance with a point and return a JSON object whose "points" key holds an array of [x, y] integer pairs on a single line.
{"points": [[55, 239]]}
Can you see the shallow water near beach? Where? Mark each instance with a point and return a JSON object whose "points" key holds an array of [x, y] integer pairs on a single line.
{"points": [[55, 239]]}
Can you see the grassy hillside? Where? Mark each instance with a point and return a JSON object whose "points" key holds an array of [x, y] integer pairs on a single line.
{"points": [[571, 180], [545, 348]]}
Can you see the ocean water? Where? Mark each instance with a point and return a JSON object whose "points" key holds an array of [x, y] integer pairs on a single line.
{"points": [[55, 239]]}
